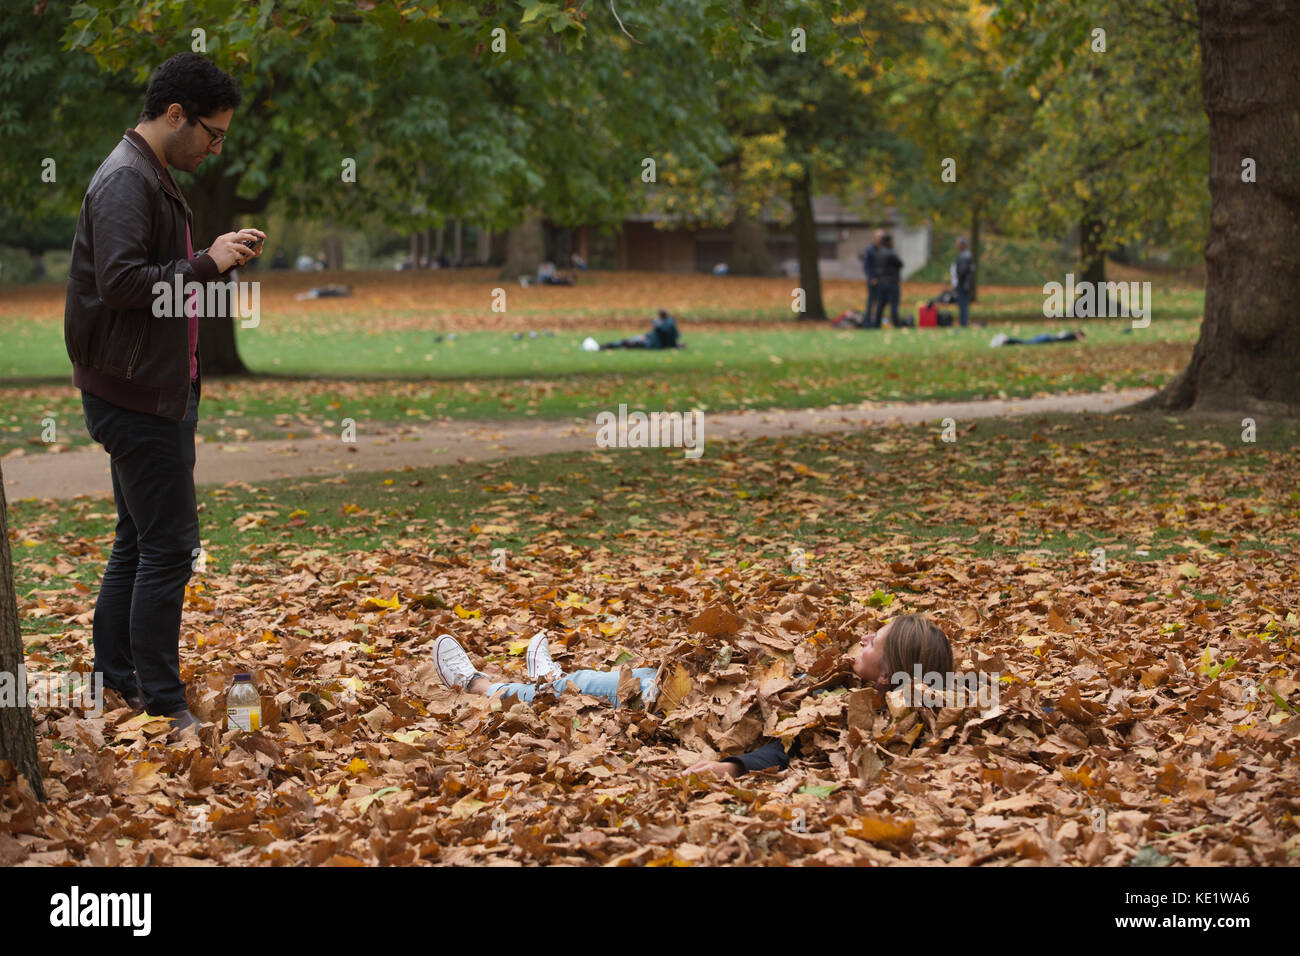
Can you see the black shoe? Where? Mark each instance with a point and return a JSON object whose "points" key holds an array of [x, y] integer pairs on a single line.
{"points": [[133, 698]]}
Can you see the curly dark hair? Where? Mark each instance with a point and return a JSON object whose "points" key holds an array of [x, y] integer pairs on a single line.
{"points": [[199, 85]]}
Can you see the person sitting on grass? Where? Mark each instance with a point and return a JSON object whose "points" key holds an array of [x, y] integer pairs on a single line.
{"points": [[897, 648], [547, 275], [664, 335], [1044, 338]]}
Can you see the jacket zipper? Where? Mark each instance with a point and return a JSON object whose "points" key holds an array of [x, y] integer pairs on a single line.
{"points": [[135, 353]]}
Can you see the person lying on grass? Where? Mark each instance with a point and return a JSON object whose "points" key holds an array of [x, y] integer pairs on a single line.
{"points": [[897, 648], [663, 335]]}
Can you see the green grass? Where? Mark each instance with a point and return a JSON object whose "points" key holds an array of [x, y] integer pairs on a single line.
{"points": [[485, 375]]}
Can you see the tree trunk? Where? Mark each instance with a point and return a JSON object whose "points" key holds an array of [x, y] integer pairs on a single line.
{"points": [[334, 252], [1092, 252], [749, 255], [524, 245], [17, 730], [975, 249], [1248, 356], [212, 200], [805, 234]]}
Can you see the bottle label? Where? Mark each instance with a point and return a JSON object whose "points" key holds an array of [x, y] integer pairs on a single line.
{"points": [[247, 719]]}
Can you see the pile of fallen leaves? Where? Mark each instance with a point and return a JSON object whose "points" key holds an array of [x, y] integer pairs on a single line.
{"points": [[1136, 722]]}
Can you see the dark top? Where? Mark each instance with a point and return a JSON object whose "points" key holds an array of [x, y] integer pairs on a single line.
{"points": [[664, 334], [131, 236], [871, 261], [891, 267], [771, 754], [965, 271]]}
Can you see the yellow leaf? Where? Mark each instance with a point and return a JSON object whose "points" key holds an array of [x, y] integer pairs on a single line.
{"points": [[358, 767], [463, 614], [378, 604], [675, 689], [466, 806]]}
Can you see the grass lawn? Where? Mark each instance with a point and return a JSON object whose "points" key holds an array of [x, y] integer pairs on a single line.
{"points": [[392, 366]]}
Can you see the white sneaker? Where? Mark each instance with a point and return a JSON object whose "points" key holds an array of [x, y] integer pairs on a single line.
{"points": [[998, 340], [590, 345], [453, 663], [539, 661]]}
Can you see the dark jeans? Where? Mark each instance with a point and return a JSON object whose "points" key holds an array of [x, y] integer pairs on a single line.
{"points": [[137, 620], [963, 306], [1044, 338], [886, 295], [635, 342], [868, 321]]}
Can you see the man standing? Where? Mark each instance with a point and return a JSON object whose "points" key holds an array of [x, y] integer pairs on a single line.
{"points": [[888, 280], [138, 371], [871, 265], [962, 273]]}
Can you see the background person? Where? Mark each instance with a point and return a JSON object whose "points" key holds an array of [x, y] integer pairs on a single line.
{"points": [[663, 335], [888, 282], [871, 266], [962, 274]]}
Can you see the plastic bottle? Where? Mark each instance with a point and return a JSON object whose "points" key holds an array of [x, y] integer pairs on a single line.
{"points": [[244, 705]]}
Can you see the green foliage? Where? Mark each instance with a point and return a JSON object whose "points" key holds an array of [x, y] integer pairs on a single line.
{"points": [[1118, 135]]}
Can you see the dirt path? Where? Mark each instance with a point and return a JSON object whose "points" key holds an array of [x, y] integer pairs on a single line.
{"points": [[84, 471]]}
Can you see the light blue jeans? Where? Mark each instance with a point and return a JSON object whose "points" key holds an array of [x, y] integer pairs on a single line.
{"points": [[596, 683]]}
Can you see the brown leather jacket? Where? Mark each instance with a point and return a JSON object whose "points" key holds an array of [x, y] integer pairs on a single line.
{"points": [[131, 235]]}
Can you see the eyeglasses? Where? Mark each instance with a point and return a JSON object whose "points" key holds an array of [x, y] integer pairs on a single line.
{"points": [[217, 138]]}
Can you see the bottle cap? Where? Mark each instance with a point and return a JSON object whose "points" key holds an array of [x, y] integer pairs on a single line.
{"points": [[243, 677]]}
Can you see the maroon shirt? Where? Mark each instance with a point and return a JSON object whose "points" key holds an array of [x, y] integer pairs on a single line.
{"points": [[191, 304]]}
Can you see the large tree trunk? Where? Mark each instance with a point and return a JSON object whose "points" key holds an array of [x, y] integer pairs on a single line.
{"points": [[17, 731], [1248, 356], [805, 236], [975, 248], [333, 252], [749, 255], [524, 248], [1092, 247], [212, 199]]}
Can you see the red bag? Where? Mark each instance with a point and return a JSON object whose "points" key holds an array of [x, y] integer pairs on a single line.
{"points": [[927, 316]]}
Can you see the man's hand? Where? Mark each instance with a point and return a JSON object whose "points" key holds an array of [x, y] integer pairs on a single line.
{"points": [[721, 768], [229, 250]]}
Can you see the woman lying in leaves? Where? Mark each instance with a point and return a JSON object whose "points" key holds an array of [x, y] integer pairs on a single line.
{"points": [[905, 642]]}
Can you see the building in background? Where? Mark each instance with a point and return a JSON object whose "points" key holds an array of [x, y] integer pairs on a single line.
{"points": [[643, 244]]}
